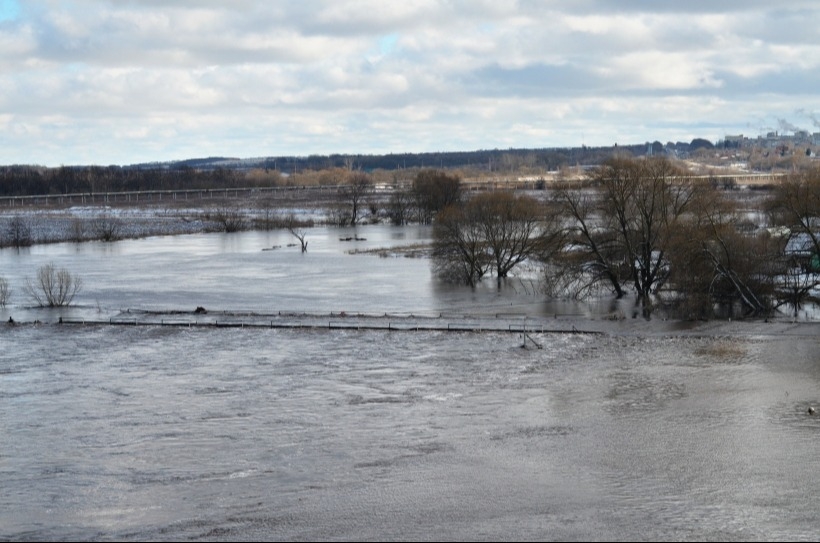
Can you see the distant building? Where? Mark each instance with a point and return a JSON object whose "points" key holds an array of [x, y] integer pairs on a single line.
{"points": [[734, 141]]}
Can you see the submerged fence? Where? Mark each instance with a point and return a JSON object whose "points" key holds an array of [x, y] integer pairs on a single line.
{"points": [[340, 321]]}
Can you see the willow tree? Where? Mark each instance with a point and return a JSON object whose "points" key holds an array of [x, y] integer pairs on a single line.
{"points": [[623, 225], [492, 232]]}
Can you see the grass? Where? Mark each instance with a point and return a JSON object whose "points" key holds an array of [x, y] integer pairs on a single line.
{"points": [[721, 349], [415, 250]]}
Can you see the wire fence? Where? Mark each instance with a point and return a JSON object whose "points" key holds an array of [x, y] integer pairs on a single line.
{"points": [[500, 322]]}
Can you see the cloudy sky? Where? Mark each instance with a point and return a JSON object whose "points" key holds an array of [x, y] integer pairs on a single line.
{"points": [[126, 81]]}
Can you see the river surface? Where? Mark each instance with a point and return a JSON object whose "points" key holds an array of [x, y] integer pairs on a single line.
{"points": [[171, 433]]}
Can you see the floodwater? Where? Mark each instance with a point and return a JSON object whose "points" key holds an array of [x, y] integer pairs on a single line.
{"points": [[266, 272], [170, 433], [263, 271]]}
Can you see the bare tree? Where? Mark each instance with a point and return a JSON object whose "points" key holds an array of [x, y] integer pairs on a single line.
{"points": [[270, 217], [513, 228], [294, 227], [53, 287], [77, 229], [622, 227], [592, 255], [18, 232], [460, 250], [400, 206], [796, 205], [230, 218], [107, 227], [491, 231], [795, 284], [357, 188], [646, 199], [713, 262]]}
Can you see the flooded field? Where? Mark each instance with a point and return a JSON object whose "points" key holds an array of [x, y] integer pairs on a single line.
{"points": [[115, 433], [264, 271], [645, 432]]}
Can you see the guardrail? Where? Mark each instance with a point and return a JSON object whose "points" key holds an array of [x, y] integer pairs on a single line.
{"points": [[151, 196], [172, 195]]}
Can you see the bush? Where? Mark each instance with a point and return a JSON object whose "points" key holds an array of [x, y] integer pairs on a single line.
{"points": [[77, 229], [5, 292], [107, 228], [230, 219], [18, 232], [53, 288]]}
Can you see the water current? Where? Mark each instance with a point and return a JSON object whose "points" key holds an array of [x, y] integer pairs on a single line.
{"points": [[173, 433]]}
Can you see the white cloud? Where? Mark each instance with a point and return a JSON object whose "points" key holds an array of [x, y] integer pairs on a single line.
{"points": [[123, 81], [653, 70]]}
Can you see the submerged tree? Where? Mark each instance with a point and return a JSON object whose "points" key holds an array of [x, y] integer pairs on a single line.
{"points": [[795, 204], [400, 206], [230, 218], [514, 228], [17, 232], [714, 263], [433, 191], [107, 228], [492, 231], [795, 284], [53, 287], [591, 257], [621, 228], [459, 249], [355, 191], [295, 228]]}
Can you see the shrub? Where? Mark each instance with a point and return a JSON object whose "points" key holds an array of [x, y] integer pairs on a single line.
{"points": [[53, 288], [107, 228], [18, 232], [5, 292], [77, 229], [230, 219]]}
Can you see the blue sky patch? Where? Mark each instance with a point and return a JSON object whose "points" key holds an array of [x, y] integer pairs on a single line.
{"points": [[388, 43], [9, 10]]}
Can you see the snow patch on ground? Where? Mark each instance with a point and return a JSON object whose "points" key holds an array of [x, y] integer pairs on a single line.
{"points": [[85, 222]]}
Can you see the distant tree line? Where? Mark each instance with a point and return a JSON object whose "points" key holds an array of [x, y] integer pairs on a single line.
{"points": [[33, 180], [221, 172], [498, 160]]}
